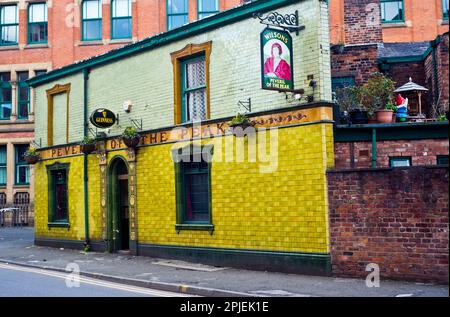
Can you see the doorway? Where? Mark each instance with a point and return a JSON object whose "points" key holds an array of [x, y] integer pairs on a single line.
{"points": [[119, 216]]}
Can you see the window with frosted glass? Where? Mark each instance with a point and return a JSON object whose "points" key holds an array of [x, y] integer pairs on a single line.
{"points": [[194, 89], [91, 20], [177, 13], [23, 99], [9, 25], [5, 96], [22, 168], [121, 20], [207, 8], [3, 165], [392, 11], [37, 23]]}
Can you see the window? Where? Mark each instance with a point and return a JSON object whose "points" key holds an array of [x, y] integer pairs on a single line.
{"points": [[5, 96], [445, 9], [9, 25], [193, 187], [121, 19], [91, 20], [3, 177], [392, 11], [22, 169], [441, 160], [40, 72], [37, 23], [177, 13], [207, 8], [193, 90], [58, 199], [400, 161], [342, 82], [23, 95]]}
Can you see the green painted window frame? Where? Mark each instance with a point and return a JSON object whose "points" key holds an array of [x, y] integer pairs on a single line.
{"points": [[393, 159], [442, 159], [5, 85], [185, 90], [44, 41], [51, 174], [182, 157], [169, 14], [445, 9], [4, 148], [344, 81], [7, 25], [19, 163], [130, 17], [83, 20], [204, 14], [402, 10], [23, 84]]}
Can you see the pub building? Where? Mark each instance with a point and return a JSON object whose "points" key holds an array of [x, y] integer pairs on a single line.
{"points": [[196, 187]]}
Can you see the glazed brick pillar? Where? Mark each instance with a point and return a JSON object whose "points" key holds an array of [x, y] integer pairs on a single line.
{"points": [[396, 218]]}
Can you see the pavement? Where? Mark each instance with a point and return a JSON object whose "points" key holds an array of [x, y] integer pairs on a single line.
{"points": [[16, 247]]}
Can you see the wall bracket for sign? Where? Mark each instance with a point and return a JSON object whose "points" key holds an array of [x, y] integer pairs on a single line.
{"points": [[247, 105], [288, 22], [137, 123]]}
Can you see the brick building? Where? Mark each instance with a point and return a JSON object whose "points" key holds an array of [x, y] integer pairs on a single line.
{"points": [[40, 36]]}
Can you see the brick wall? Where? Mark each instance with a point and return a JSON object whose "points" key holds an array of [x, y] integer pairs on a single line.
{"points": [[354, 61], [362, 22], [396, 218], [422, 152]]}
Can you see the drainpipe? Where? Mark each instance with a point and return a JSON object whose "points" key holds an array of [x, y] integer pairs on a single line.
{"points": [[374, 148], [86, 72], [435, 71]]}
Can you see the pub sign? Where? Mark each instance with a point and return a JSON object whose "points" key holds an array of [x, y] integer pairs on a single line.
{"points": [[103, 118]]}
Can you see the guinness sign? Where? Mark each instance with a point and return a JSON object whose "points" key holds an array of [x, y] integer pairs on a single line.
{"points": [[103, 118]]}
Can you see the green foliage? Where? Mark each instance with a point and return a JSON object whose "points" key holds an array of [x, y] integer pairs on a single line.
{"points": [[391, 106], [240, 119], [442, 118], [379, 91], [350, 98], [130, 133], [31, 151], [88, 140]]}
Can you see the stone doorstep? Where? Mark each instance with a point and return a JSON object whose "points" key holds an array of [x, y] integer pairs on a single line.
{"points": [[168, 287]]}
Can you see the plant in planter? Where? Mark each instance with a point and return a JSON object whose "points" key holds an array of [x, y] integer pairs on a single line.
{"points": [[379, 93], [31, 156], [88, 145], [130, 137], [241, 122], [350, 103], [391, 106]]}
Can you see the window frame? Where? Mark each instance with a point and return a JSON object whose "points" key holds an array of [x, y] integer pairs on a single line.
{"points": [[130, 17], [51, 170], [4, 165], [445, 16], [342, 80], [207, 12], [5, 85], [29, 41], [191, 152], [169, 15], [23, 84], [402, 20], [10, 24], [178, 57], [399, 158], [20, 163], [83, 20]]}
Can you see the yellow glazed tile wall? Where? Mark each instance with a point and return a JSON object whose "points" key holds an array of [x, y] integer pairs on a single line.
{"points": [[284, 211], [75, 200]]}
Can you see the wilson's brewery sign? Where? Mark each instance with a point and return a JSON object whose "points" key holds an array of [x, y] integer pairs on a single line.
{"points": [[206, 130]]}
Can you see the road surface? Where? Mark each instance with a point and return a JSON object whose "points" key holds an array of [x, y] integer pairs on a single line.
{"points": [[18, 281]]}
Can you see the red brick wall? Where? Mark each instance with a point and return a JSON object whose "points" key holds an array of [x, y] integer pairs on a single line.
{"points": [[362, 22], [396, 218], [354, 61], [422, 152]]}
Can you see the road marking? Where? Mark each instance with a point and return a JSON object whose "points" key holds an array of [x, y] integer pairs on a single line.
{"points": [[88, 280]]}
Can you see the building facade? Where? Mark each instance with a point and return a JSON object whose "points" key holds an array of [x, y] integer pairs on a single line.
{"points": [[193, 188], [39, 36]]}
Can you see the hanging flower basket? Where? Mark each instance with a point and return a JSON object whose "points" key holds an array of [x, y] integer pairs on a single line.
{"points": [[31, 159], [239, 124], [131, 142], [87, 148]]}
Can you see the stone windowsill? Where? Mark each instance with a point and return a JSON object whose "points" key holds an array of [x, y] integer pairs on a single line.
{"points": [[30, 46], [9, 47], [120, 41], [394, 25], [196, 227], [58, 225], [90, 43]]}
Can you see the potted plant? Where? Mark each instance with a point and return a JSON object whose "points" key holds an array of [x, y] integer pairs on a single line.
{"points": [[130, 137], [391, 106], [31, 156], [379, 91], [239, 123], [88, 145], [349, 100]]}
